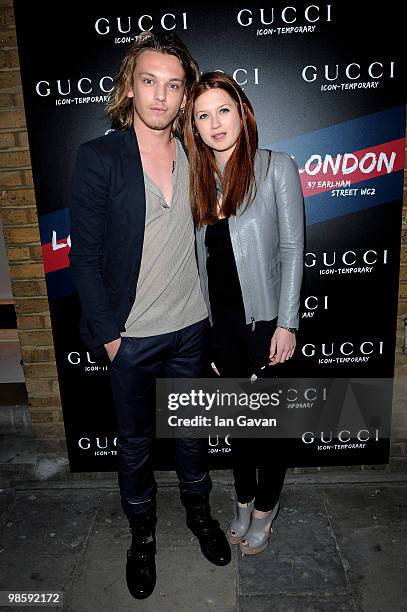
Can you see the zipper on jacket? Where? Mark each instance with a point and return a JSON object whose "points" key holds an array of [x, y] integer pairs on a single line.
{"points": [[205, 293], [246, 275]]}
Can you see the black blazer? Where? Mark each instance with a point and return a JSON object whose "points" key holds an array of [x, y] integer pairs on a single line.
{"points": [[108, 208]]}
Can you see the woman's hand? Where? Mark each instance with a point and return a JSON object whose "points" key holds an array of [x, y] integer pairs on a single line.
{"points": [[282, 346]]}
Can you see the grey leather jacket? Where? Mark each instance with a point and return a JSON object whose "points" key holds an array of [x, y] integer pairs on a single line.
{"points": [[268, 243]]}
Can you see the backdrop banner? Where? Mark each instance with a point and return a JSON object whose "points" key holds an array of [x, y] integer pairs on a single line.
{"points": [[327, 91]]}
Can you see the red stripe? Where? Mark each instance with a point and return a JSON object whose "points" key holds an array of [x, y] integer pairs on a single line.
{"points": [[55, 260], [313, 184]]}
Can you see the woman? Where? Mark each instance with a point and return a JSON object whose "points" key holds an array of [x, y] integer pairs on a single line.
{"points": [[248, 210]]}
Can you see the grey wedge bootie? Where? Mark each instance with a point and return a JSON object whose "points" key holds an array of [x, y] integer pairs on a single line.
{"points": [[257, 536], [240, 523]]}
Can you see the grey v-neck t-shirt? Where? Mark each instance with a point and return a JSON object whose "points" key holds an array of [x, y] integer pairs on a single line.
{"points": [[168, 296]]}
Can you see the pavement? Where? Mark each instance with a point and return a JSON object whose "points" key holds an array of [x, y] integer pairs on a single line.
{"points": [[339, 545]]}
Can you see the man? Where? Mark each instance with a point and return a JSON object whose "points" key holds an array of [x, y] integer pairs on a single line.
{"points": [[133, 263]]}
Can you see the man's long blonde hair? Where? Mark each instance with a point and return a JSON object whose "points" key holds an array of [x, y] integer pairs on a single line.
{"points": [[120, 107]]}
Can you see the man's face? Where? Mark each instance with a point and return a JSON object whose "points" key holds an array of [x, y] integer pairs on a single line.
{"points": [[158, 89]]}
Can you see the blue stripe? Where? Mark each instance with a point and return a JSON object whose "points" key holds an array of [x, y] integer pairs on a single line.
{"points": [[58, 221], [60, 284], [348, 136], [323, 206]]}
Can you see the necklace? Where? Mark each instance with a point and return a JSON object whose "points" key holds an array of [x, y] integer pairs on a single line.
{"points": [[219, 197]]}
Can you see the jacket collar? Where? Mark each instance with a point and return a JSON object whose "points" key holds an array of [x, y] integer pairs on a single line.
{"points": [[130, 143]]}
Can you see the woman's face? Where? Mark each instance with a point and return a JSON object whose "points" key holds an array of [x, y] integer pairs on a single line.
{"points": [[218, 122]]}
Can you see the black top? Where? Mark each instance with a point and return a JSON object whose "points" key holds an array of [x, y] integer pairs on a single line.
{"points": [[225, 294]]}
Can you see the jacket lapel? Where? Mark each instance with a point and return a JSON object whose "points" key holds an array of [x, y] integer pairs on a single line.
{"points": [[131, 157], [133, 173]]}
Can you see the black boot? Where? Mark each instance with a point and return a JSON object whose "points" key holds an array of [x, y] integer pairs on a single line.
{"points": [[214, 545], [140, 567]]}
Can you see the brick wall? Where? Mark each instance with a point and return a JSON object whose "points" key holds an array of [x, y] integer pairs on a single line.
{"points": [[17, 206], [21, 234], [399, 416]]}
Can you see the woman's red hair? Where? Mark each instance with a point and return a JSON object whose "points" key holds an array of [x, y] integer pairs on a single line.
{"points": [[237, 180]]}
